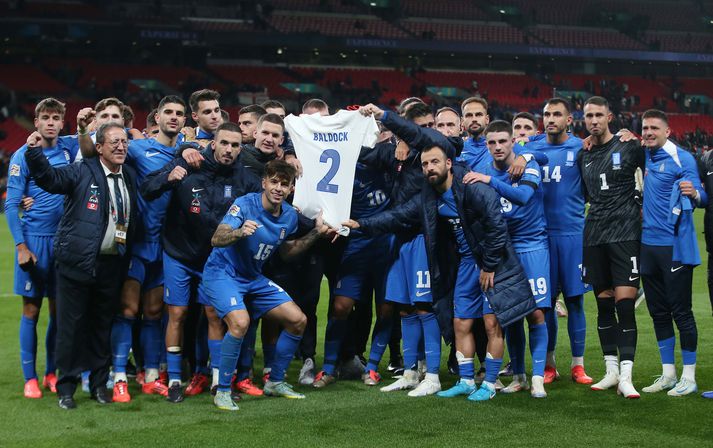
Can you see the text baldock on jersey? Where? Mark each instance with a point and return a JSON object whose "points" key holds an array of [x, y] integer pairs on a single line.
{"points": [[328, 148]]}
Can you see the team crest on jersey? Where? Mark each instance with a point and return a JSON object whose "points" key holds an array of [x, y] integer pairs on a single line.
{"points": [[661, 168], [66, 155], [616, 161], [282, 233], [14, 169], [234, 210], [227, 191], [570, 159], [93, 202], [196, 203]]}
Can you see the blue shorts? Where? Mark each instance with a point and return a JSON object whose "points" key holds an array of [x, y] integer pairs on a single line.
{"points": [[227, 293], [469, 302], [536, 264], [566, 266], [363, 267], [409, 280], [40, 280], [180, 281]]}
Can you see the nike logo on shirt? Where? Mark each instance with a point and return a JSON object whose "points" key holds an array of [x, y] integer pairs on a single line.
{"points": [[587, 164], [94, 186], [151, 154], [422, 293], [676, 269], [631, 279], [709, 173], [540, 300], [196, 190]]}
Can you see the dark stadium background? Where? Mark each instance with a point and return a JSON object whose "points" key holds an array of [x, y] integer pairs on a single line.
{"points": [[516, 53]]}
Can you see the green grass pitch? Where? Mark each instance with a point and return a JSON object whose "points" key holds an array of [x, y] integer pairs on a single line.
{"points": [[350, 414]]}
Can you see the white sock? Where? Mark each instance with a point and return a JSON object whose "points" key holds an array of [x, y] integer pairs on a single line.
{"points": [[626, 367], [216, 378], [491, 385], [689, 372], [433, 377], [551, 359], [151, 375], [172, 382], [120, 376], [577, 361], [468, 381], [669, 370], [612, 363]]}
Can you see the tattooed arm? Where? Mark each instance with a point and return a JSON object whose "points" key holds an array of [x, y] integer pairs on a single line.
{"points": [[293, 248], [225, 235]]}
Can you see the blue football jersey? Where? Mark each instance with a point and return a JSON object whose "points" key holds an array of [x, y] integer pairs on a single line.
{"points": [[562, 185], [246, 257], [146, 156], [475, 153], [44, 215], [663, 168], [447, 209], [526, 223], [371, 192]]}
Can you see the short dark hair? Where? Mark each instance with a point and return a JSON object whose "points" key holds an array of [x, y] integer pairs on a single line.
{"points": [[254, 109], [151, 118], [225, 114], [272, 104], [315, 103], [50, 105], [202, 95], [104, 128], [474, 99], [281, 170], [597, 101], [170, 99], [655, 113], [128, 113], [527, 116], [271, 118], [111, 101], [555, 101], [443, 150], [417, 110], [228, 126], [406, 103], [498, 126]]}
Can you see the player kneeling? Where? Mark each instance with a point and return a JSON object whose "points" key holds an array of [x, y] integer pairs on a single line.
{"points": [[255, 225]]}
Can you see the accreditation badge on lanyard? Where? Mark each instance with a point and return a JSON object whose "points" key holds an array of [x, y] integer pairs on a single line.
{"points": [[121, 227], [120, 234]]}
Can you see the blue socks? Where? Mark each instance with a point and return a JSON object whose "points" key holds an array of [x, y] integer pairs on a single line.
{"points": [[666, 349], [121, 342], [268, 352], [245, 361], [229, 352], [466, 369], [28, 347], [151, 342], [552, 327], [515, 339], [492, 368], [411, 333], [287, 345], [201, 345], [688, 357], [431, 341], [50, 339], [174, 360], [538, 348], [576, 324], [379, 340], [336, 329]]}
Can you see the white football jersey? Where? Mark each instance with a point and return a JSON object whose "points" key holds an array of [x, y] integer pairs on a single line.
{"points": [[328, 148]]}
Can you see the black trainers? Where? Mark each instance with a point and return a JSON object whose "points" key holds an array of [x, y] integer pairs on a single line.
{"points": [[175, 393], [396, 366]]}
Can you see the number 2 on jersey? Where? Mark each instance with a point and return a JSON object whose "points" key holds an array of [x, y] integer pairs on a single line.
{"points": [[324, 185]]}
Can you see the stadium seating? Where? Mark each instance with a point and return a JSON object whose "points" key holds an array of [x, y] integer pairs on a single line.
{"points": [[464, 31], [561, 36], [28, 78], [335, 25], [268, 77], [453, 9], [679, 41]]}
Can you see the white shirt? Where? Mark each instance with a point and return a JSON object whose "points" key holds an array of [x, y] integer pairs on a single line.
{"points": [[108, 246], [328, 148]]}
